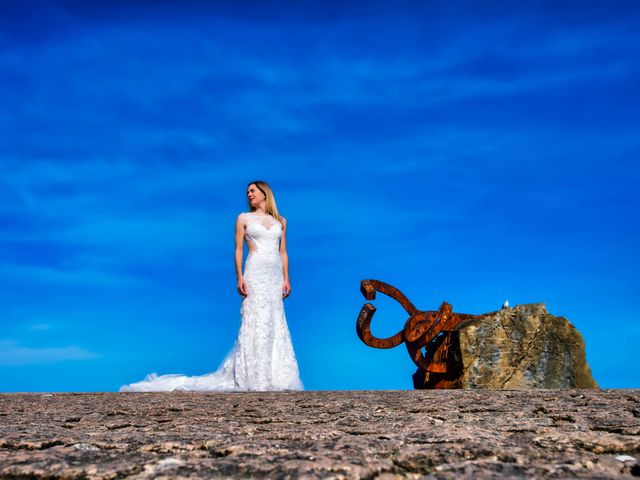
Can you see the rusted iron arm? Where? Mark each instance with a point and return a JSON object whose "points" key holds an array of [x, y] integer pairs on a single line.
{"points": [[363, 328], [369, 288]]}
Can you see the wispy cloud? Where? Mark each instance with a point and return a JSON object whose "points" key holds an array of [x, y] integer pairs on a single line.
{"points": [[14, 354], [65, 277], [39, 327]]}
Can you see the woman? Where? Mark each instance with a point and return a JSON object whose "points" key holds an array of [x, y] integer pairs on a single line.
{"points": [[262, 357]]}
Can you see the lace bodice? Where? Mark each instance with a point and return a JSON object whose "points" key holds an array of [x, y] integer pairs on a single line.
{"points": [[262, 233]]}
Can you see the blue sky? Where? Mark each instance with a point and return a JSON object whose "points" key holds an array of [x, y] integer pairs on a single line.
{"points": [[461, 152]]}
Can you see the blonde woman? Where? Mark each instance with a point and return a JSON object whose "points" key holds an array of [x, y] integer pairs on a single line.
{"points": [[262, 357]]}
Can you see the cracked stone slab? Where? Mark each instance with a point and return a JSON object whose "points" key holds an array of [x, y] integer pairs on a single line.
{"points": [[562, 433]]}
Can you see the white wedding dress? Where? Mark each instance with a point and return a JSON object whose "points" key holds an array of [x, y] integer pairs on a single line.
{"points": [[262, 357]]}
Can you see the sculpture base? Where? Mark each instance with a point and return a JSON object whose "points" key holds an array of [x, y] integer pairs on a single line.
{"points": [[443, 355]]}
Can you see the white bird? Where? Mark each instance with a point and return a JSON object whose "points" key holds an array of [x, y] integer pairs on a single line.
{"points": [[505, 304]]}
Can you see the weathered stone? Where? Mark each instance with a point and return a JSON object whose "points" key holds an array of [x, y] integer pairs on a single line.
{"points": [[436, 434], [523, 347]]}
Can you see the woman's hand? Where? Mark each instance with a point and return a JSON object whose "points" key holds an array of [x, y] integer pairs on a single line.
{"points": [[242, 287], [286, 289]]}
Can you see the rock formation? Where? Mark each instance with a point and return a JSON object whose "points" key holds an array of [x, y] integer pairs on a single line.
{"points": [[523, 347], [520, 347]]}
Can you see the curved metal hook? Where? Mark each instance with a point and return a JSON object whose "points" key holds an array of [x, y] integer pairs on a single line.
{"points": [[363, 328]]}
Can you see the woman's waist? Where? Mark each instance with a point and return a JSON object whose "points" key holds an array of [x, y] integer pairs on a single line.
{"points": [[265, 253], [264, 258]]}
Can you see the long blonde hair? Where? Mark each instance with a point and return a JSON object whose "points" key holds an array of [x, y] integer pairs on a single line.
{"points": [[269, 201]]}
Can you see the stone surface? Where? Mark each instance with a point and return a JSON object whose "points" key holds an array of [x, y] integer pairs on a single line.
{"points": [[322, 434], [523, 347]]}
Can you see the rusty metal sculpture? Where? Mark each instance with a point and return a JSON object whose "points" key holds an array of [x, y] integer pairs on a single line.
{"points": [[440, 366]]}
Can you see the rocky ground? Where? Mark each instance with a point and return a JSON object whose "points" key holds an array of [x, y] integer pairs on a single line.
{"points": [[322, 434]]}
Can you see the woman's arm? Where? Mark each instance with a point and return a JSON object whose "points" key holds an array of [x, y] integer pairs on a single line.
{"points": [[286, 286], [240, 226]]}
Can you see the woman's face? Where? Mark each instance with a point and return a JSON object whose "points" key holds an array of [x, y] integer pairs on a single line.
{"points": [[254, 195]]}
